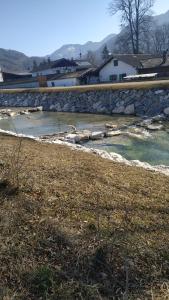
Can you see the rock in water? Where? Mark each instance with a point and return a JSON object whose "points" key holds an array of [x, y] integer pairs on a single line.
{"points": [[155, 127], [111, 126], [97, 135], [72, 138], [113, 133]]}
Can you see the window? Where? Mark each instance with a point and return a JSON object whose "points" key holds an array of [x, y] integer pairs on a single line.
{"points": [[121, 76], [52, 83], [115, 63], [113, 77]]}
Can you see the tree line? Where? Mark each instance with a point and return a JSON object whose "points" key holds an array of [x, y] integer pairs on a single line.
{"points": [[139, 30]]}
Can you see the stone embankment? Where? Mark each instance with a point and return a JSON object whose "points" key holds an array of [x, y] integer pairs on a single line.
{"points": [[140, 102]]}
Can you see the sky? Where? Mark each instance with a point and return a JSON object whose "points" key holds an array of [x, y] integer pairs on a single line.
{"points": [[39, 27]]}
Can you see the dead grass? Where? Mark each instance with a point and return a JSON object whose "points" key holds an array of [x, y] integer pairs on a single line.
{"points": [[95, 87], [82, 227]]}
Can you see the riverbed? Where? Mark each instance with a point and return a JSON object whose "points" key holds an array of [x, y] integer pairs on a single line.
{"points": [[154, 150]]}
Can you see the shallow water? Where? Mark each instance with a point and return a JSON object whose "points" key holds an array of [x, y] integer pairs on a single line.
{"points": [[42, 123], [154, 150]]}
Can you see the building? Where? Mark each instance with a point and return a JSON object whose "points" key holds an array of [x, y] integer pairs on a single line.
{"points": [[69, 79], [159, 65], [9, 80], [22, 83], [62, 72], [59, 66], [83, 64], [9, 76], [119, 66]]}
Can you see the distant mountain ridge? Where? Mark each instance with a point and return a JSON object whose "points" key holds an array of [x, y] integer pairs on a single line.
{"points": [[74, 50], [15, 61], [162, 19]]}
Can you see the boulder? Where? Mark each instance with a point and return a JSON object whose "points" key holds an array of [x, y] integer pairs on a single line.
{"points": [[129, 110], [84, 135], [35, 109], [158, 92], [110, 125], [158, 118], [145, 123], [40, 108], [72, 138], [97, 135], [24, 112], [155, 127], [113, 133], [166, 111], [118, 110]]}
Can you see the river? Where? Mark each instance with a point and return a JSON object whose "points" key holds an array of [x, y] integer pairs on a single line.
{"points": [[154, 150]]}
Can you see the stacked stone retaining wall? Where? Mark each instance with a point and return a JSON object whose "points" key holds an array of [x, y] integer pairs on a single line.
{"points": [[143, 102]]}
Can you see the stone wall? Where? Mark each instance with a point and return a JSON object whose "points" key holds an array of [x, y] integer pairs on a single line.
{"points": [[141, 102]]}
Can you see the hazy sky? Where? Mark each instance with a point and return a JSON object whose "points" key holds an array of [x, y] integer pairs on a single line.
{"points": [[38, 27]]}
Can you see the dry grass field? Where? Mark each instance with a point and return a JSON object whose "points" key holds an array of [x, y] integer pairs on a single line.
{"points": [[76, 226]]}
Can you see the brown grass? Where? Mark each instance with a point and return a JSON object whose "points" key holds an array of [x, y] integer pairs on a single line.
{"points": [[95, 87], [82, 227]]}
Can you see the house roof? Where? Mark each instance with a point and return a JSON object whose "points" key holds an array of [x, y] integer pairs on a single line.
{"points": [[133, 60], [15, 76], [77, 74], [154, 63], [18, 81], [63, 62], [83, 63]]}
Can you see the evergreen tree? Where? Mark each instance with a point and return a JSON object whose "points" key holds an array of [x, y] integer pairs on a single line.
{"points": [[35, 65], [105, 53]]}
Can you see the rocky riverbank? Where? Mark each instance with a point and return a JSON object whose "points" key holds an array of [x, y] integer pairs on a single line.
{"points": [[141, 129], [75, 140], [5, 112]]}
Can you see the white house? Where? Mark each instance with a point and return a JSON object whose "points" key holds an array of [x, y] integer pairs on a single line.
{"points": [[119, 66], [69, 79], [59, 66]]}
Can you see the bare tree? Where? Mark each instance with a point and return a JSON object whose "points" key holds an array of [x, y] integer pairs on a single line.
{"points": [[123, 42], [160, 36], [134, 15]]}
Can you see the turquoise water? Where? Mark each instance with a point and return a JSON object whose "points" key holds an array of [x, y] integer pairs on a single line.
{"points": [[154, 150]]}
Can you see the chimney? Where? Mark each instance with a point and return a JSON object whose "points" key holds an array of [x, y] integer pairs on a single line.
{"points": [[165, 56]]}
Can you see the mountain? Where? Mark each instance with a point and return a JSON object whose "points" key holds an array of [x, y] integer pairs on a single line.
{"points": [[162, 19], [14, 61], [74, 50]]}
